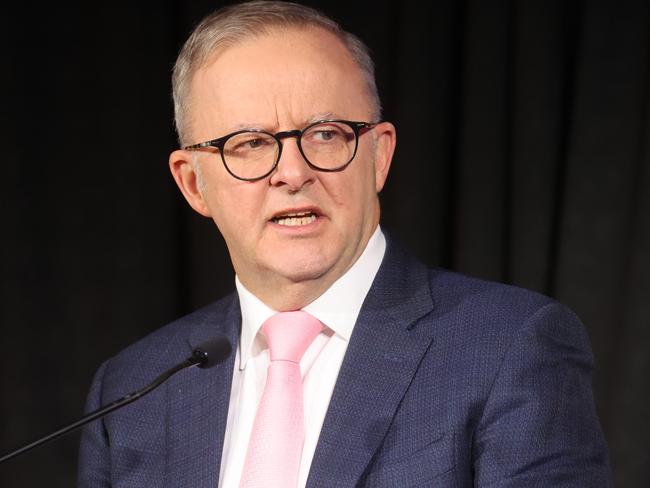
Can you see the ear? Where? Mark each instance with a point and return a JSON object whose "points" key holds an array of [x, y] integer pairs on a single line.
{"points": [[385, 147], [184, 173]]}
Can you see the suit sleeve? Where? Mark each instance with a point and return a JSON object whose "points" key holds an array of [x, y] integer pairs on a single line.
{"points": [[539, 425], [94, 454]]}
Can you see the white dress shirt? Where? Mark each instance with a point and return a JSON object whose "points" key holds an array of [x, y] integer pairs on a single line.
{"points": [[338, 309]]}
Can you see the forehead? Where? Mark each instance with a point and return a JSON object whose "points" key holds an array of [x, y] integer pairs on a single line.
{"points": [[284, 76]]}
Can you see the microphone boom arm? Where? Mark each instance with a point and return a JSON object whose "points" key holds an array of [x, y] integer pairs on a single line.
{"points": [[200, 357]]}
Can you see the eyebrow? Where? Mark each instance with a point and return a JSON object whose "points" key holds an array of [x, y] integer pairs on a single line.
{"points": [[314, 118], [322, 116], [246, 125]]}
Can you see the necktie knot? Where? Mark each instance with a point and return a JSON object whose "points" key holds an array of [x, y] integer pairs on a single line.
{"points": [[289, 334]]}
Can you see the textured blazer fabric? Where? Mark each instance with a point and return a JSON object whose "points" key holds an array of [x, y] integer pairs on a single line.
{"points": [[448, 381]]}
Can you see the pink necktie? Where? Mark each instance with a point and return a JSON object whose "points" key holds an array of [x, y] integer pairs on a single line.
{"points": [[275, 446]]}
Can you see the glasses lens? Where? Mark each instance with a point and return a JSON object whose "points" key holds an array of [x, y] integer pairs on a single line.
{"points": [[250, 155], [329, 145]]}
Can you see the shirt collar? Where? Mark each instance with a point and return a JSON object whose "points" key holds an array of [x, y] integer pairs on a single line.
{"points": [[337, 308]]}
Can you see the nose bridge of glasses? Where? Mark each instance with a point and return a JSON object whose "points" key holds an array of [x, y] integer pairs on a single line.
{"points": [[297, 133]]}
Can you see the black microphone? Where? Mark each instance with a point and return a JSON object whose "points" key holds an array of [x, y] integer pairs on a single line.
{"points": [[207, 355]]}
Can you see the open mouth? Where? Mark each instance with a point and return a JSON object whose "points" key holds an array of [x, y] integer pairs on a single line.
{"points": [[295, 219]]}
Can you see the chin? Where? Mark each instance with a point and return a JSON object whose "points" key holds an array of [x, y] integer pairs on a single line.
{"points": [[304, 274], [299, 270]]}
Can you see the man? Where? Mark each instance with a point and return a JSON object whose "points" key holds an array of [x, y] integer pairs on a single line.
{"points": [[412, 377]]}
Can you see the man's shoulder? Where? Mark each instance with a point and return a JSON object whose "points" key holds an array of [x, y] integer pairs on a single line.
{"points": [[470, 307], [452, 291], [172, 343], [490, 313]]}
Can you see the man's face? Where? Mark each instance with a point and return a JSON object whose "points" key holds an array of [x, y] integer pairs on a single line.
{"points": [[277, 82]]}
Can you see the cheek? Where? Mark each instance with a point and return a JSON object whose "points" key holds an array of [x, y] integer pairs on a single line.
{"points": [[236, 211], [358, 190], [353, 197]]}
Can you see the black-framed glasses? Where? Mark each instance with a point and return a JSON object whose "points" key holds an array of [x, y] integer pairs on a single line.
{"points": [[326, 145]]}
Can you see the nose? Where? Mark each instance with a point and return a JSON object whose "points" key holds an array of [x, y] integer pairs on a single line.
{"points": [[292, 169]]}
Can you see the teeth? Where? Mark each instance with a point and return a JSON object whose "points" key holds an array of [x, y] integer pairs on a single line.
{"points": [[296, 219]]}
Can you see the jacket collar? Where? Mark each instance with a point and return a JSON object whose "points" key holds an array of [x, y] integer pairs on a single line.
{"points": [[383, 355]]}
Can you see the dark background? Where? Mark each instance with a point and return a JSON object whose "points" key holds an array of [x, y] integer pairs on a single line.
{"points": [[523, 157]]}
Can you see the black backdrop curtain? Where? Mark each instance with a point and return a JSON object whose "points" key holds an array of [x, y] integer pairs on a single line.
{"points": [[523, 156]]}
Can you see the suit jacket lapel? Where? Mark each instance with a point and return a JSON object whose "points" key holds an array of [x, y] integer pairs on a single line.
{"points": [[383, 355], [198, 405]]}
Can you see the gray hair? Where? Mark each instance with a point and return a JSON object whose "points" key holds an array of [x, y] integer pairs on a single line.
{"points": [[232, 24]]}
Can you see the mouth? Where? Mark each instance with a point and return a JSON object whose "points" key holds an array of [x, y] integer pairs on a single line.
{"points": [[295, 219]]}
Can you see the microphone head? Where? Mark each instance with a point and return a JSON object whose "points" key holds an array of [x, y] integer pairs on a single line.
{"points": [[212, 352]]}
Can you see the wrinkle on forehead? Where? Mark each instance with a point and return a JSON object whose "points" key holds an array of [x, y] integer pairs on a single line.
{"points": [[278, 81], [318, 116]]}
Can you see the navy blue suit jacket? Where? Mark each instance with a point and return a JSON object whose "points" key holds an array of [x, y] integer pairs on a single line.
{"points": [[447, 381]]}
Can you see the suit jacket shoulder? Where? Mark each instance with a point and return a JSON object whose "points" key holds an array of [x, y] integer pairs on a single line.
{"points": [[175, 341]]}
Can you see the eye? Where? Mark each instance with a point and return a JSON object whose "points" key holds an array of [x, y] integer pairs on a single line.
{"points": [[252, 143], [325, 134], [249, 142]]}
